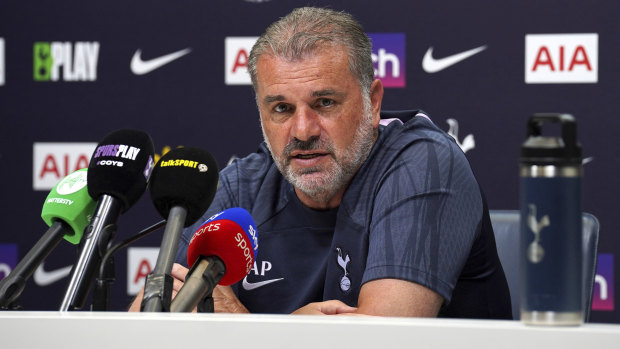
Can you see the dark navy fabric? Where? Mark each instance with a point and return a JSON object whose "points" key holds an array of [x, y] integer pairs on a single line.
{"points": [[414, 211]]}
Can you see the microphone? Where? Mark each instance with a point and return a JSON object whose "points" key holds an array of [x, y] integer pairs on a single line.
{"points": [[182, 187], [222, 251], [66, 210], [118, 172]]}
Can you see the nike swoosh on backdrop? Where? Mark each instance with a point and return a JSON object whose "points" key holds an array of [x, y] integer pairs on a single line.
{"points": [[44, 278], [141, 67], [248, 286], [432, 65]]}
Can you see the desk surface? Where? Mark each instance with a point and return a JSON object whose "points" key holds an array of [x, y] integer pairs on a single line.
{"points": [[164, 330]]}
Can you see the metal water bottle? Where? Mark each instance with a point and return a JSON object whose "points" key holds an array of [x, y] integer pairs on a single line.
{"points": [[551, 232]]}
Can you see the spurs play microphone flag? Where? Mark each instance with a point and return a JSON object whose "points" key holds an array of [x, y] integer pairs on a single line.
{"points": [[118, 173], [222, 251], [66, 210], [183, 185]]}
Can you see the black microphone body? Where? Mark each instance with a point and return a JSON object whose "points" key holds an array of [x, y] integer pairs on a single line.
{"points": [[98, 234], [12, 285], [159, 279], [182, 187], [118, 174], [66, 210]]}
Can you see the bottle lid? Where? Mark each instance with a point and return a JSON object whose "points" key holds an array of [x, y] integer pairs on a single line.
{"points": [[551, 150]]}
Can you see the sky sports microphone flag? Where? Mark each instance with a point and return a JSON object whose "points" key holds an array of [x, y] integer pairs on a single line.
{"points": [[117, 176], [67, 210], [182, 186], [229, 238]]}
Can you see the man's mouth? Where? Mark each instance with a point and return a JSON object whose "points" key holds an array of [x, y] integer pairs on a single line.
{"points": [[307, 156]]}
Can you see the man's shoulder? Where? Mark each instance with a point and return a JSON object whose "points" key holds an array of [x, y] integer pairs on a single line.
{"points": [[412, 127], [255, 164], [255, 179]]}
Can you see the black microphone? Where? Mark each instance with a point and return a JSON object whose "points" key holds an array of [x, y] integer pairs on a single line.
{"points": [[66, 210], [118, 173], [182, 187]]}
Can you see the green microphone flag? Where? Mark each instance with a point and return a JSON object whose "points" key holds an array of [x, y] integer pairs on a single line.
{"points": [[68, 201]]}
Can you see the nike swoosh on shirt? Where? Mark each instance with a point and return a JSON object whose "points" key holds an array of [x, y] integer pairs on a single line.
{"points": [[141, 67], [44, 278], [432, 65], [248, 286]]}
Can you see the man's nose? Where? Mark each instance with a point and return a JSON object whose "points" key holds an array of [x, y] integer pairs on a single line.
{"points": [[306, 124]]}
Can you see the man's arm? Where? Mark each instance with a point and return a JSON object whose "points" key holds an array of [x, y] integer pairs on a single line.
{"points": [[383, 297], [393, 297]]}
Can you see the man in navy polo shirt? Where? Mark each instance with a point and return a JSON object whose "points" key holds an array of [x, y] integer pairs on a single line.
{"points": [[353, 217]]}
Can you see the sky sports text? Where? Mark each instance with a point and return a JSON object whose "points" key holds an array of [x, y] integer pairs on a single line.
{"points": [[388, 57]]}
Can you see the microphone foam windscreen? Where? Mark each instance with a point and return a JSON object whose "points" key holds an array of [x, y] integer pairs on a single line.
{"points": [[69, 201], [230, 235], [185, 177], [121, 166]]}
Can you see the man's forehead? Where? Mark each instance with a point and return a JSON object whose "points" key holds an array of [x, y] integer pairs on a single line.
{"points": [[314, 76]]}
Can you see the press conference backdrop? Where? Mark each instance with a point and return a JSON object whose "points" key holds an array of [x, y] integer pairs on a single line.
{"points": [[72, 71]]}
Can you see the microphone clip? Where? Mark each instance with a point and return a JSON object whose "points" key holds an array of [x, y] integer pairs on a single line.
{"points": [[159, 289]]}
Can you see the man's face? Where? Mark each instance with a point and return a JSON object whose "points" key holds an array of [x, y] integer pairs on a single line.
{"points": [[318, 126]]}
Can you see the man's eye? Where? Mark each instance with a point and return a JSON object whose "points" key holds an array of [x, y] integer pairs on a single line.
{"points": [[324, 102], [280, 108]]}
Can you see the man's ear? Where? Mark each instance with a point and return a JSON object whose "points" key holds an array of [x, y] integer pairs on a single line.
{"points": [[376, 96]]}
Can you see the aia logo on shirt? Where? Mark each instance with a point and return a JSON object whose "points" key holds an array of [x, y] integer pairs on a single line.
{"points": [[388, 58], [603, 297], [561, 58]]}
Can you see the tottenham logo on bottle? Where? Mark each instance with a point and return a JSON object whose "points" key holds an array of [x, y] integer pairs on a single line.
{"points": [[77, 61], [345, 282], [535, 251], [388, 57], [561, 58], [2, 67]]}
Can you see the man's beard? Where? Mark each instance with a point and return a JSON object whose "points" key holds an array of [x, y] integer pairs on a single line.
{"points": [[337, 173]]}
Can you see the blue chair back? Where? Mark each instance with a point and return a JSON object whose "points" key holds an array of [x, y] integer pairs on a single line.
{"points": [[506, 225]]}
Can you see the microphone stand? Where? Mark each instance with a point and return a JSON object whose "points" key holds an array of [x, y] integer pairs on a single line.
{"points": [[158, 284], [12, 286], [101, 294]]}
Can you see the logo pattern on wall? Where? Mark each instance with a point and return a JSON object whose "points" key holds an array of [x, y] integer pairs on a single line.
{"points": [[561, 58]]}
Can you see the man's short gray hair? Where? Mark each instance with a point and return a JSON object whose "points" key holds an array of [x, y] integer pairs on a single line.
{"points": [[307, 29]]}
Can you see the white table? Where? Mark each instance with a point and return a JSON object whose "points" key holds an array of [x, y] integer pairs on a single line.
{"points": [[164, 330]]}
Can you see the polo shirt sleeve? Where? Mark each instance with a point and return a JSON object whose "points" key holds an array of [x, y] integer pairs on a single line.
{"points": [[425, 217]]}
